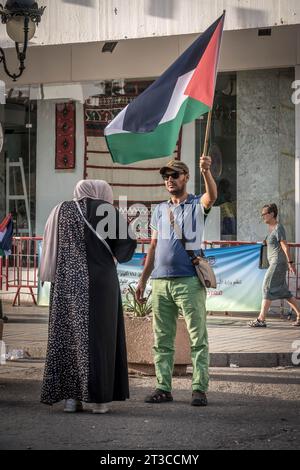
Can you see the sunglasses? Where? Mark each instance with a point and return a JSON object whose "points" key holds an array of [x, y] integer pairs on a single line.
{"points": [[264, 213], [174, 175]]}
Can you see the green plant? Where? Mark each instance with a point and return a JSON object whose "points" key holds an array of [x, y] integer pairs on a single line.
{"points": [[131, 305]]}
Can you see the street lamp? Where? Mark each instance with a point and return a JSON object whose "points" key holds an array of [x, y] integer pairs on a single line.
{"points": [[21, 18]]}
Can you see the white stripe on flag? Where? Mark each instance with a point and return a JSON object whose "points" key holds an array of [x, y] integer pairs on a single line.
{"points": [[178, 97], [2, 234], [117, 124]]}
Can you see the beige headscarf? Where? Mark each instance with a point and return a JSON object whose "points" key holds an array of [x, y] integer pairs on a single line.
{"points": [[92, 189]]}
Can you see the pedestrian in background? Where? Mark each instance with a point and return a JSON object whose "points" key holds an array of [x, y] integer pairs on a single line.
{"points": [[280, 261]]}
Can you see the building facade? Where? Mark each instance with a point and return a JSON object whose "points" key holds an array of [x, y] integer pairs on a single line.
{"points": [[255, 136]]}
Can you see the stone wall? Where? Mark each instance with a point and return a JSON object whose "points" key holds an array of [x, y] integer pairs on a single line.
{"points": [[265, 150]]}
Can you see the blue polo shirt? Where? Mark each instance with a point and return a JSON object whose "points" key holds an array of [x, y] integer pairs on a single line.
{"points": [[171, 259]]}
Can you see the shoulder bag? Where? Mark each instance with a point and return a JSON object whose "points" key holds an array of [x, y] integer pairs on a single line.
{"points": [[94, 231], [204, 270], [263, 258]]}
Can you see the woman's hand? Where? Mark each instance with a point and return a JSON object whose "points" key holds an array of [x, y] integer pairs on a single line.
{"points": [[292, 268]]}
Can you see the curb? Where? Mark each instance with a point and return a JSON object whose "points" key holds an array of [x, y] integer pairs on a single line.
{"points": [[233, 359], [246, 359]]}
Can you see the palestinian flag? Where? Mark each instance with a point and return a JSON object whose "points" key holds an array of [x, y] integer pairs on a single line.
{"points": [[149, 126], [6, 235]]}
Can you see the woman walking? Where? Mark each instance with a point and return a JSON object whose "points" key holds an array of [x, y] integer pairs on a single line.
{"points": [[279, 258], [86, 356]]}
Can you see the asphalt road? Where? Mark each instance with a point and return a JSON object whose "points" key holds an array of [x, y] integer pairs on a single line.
{"points": [[248, 409]]}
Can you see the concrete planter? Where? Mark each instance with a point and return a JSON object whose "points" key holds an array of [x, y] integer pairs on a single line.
{"points": [[139, 337]]}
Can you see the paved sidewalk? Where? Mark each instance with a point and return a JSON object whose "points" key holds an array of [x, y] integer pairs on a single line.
{"points": [[232, 342]]}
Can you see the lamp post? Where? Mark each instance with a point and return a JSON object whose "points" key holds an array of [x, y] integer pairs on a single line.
{"points": [[21, 18]]}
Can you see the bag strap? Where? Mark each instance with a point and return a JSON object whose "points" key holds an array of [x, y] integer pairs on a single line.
{"points": [[93, 230], [181, 236]]}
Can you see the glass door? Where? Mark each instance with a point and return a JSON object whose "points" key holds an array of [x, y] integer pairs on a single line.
{"points": [[223, 151], [19, 159]]}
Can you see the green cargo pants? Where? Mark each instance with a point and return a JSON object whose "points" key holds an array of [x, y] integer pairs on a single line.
{"points": [[168, 295]]}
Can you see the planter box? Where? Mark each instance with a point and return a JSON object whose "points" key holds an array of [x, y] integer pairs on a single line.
{"points": [[139, 338]]}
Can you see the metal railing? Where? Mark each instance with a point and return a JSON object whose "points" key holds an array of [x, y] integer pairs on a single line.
{"points": [[20, 270]]}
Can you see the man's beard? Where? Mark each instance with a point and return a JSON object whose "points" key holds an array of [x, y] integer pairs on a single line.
{"points": [[177, 191]]}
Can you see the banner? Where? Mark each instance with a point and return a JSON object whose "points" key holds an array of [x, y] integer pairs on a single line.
{"points": [[130, 272], [239, 280]]}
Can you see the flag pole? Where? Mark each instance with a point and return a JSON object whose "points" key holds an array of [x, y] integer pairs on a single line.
{"points": [[208, 125], [207, 133]]}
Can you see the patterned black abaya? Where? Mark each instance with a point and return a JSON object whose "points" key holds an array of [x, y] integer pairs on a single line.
{"points": [[86, 354]]}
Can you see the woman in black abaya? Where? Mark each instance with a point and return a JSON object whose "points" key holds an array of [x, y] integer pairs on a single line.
{"points": [[86, 356]]}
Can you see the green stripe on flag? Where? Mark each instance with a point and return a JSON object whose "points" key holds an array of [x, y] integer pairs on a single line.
{"points": [[128, 147]]}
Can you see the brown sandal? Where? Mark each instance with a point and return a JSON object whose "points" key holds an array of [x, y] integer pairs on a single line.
{"points": [[297, 323]]}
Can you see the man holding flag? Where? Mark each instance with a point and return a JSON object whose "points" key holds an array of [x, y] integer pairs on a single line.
{"points": [[175, 284], [148, 128]]}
